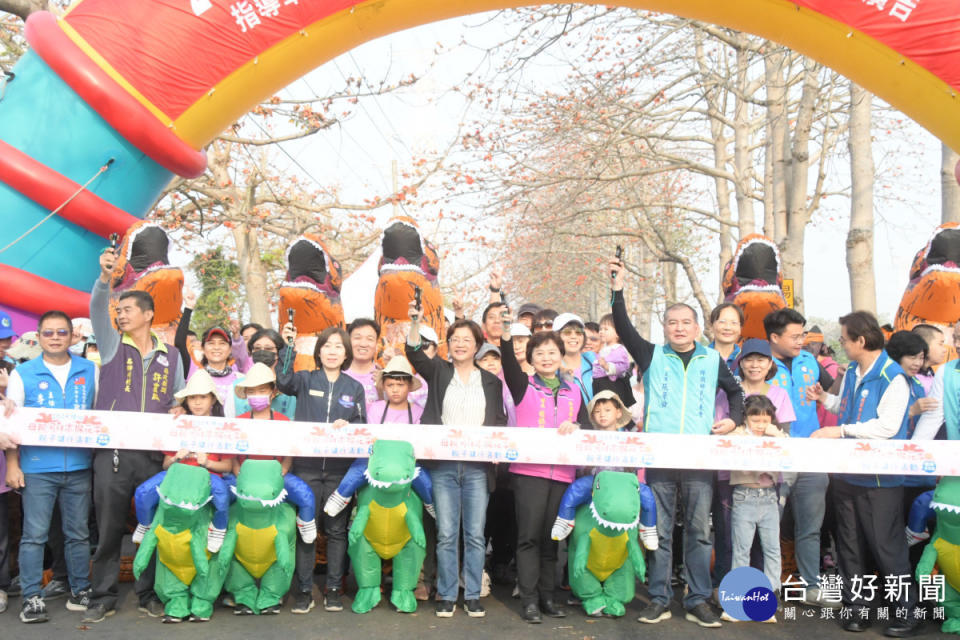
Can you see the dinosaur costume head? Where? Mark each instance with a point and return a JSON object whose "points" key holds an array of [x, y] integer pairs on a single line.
{"points": [[408, 261], [946, 504], [931, 296], [259, 487], [184, 492], [615, 501], [311, 287], [143, 265], [391, 467], [753, 280]]}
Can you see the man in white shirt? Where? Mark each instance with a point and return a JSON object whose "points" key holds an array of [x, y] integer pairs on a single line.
{"points": [[872, 404]]}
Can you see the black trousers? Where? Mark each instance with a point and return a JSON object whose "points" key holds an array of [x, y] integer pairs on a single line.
{"points": [[537, 501], [870, 521], [323, 484], [112, 493], [502, 525]]}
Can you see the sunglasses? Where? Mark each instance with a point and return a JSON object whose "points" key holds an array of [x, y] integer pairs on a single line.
{"points": [[49, 333], [544, 325]]}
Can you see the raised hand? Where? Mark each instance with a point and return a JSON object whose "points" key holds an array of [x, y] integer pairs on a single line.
{"points": [[107, 261]]}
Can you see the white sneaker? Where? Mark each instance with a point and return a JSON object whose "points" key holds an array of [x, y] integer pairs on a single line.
{"points": [[484, 584], [813, 597]]}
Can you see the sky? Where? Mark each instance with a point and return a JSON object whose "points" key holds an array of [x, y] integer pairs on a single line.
{"points": [[359, 152]]}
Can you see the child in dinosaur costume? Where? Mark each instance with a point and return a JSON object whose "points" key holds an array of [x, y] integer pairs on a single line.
{"points": [[604, 557], [186, 581], [388, 524], [943, 550], [258, 551]]}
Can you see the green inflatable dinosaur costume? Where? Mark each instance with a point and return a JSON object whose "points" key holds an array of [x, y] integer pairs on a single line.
{"points": [[604, 538], [259, 549], [943, 550], [186, 581], [388, 524]]}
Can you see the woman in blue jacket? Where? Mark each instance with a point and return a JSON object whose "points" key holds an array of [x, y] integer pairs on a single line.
{"points": [[325, 395]]}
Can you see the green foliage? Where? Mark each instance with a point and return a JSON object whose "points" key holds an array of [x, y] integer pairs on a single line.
{"points": [[219, 297]]}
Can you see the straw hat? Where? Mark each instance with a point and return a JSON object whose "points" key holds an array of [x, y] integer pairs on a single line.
{"points": [[625, 417], [397, 367], [258, 374], [200, 384]]}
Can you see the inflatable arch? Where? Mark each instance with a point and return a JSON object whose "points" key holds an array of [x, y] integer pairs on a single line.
{"points": [[149, 84]]}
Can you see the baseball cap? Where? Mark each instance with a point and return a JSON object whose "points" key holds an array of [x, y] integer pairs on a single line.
{"points": [[528, 307], [564, 319], [518, 329], [485, 349], [428, 334], [215, 331], [6, 326]]}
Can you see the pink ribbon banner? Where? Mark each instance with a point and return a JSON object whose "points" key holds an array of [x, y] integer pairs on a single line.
{"points": [[146, 431]]}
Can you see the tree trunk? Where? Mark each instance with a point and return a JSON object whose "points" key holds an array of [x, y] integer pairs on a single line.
{"points": [[721, 154], [669, 277], [742, 155], [23, 8], [949, 189], [646, 290], [253, 273], [776, 141], [863, 295], [797, 166]]}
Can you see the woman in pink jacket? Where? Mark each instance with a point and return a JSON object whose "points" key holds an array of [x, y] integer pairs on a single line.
{"points": [[544, 400]]}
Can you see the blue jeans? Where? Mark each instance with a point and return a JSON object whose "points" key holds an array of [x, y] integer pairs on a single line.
{"points": [[757, 510], [460, 494], [40, 492], [695, 490], [808, 499]]}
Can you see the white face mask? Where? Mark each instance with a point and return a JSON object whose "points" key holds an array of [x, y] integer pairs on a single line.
{"points": [[78, 348], [198, 355]]}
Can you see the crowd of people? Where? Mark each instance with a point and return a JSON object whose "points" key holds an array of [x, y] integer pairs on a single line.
{"points": [[525, 367]]}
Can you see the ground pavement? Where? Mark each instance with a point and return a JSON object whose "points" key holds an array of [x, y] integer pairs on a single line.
{"points": [[502, 621]]}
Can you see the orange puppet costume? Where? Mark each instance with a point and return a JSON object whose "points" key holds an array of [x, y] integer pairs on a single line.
{"points": [[753, 280], [311, 289], [408, 261]]}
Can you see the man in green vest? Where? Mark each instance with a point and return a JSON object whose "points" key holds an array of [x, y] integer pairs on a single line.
{"points": [[680, 379]]}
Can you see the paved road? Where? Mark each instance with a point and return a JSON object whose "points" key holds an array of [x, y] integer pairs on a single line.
{"points": [[502, 621]]}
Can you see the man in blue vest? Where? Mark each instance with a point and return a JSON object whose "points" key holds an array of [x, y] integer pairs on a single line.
{"points": [[798, 370], [681, 379], [138, 373], [57, 379], [873, 404]]}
